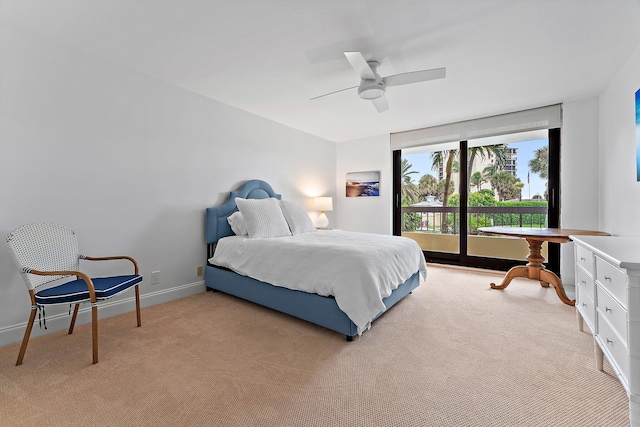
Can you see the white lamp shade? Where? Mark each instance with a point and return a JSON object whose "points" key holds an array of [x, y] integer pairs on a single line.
{"points": [[324, 203]]}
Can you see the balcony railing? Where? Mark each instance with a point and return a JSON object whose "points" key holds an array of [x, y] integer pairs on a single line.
{"points": [[446, 220]]}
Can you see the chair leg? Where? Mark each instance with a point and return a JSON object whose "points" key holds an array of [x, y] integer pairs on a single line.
{"points": [[94, 331], [73, 318], [138, 306], [27, 334]]}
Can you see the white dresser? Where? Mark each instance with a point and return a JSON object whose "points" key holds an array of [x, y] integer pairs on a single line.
{"points": [[608, 301]]}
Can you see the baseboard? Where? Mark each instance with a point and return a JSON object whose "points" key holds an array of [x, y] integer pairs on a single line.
{"points": [[58, 322]]}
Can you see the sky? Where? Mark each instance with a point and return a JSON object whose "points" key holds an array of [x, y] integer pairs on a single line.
{"points": [[526, 151]]}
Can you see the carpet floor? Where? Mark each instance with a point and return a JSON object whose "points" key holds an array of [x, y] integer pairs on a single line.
{"points": [[453, 353]]}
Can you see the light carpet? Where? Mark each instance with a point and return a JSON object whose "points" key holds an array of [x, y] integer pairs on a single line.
{"points": [[453, 353]]}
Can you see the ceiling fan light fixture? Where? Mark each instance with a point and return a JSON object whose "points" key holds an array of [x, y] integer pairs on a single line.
{"points": [[371, 89]]}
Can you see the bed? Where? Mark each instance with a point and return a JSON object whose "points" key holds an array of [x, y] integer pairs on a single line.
{"points": [[322, 310]]}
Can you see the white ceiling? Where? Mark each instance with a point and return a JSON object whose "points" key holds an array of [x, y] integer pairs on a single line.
{"points": [[269, 57]]}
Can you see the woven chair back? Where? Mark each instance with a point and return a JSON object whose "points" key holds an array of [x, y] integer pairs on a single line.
{"points": [[43, 247]]}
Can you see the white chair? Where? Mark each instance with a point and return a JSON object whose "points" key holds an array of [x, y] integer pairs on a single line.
{"points": [[46, 253]]}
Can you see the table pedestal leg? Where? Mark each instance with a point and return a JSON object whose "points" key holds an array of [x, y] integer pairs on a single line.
{"points": [[553, 280], [518, 271], [536, 259], [535, 270]]}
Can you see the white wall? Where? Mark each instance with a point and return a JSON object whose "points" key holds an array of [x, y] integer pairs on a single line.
{"points": [[130, 164], [365, 214], [619, 189], [579, 176]]}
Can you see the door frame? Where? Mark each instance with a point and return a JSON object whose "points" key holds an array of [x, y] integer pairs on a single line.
{"points": [[462, 258]]}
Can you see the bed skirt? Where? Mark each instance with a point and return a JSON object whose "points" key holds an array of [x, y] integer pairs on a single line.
{"points": [[317, 309]]}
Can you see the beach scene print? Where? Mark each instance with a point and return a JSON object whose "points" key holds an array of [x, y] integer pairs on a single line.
{"points": [[363, 184]]}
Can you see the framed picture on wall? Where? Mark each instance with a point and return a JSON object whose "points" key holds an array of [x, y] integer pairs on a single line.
{"points": [[638, 135], [363, 184]]}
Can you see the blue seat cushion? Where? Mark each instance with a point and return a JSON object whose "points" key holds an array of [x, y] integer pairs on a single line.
{"points": [[77, 291]]}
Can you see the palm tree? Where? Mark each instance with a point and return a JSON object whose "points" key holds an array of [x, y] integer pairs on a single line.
{"points": [[540, 165], [428, 185], [504, 184], [477, 180], [409, 191], [500, 153], [488, 172], [519, 186], [540, 162], [440, 189], [447, 159]]}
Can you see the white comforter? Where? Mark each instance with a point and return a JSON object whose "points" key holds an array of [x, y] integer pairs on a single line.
{"points": [[358, 269]]}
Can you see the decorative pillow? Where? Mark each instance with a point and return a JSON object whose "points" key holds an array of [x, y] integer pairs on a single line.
{"points": [[263, 217], [236, 221], [297, 218]]}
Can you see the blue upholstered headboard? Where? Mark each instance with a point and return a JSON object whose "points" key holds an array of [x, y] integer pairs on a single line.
{"points": [[216, 226]]}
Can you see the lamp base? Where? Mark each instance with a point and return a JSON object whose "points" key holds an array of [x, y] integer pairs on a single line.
{"points": [[323, 221]]}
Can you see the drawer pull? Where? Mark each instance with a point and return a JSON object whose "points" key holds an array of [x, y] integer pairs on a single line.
{"points": [[607, 309], [607, 278], [582, 258], [584, 283], [609, 341], [584, 304]]}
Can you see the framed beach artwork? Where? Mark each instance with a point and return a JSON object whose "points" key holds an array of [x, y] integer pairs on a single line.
{"points": [[363, 184], [638, 135]]}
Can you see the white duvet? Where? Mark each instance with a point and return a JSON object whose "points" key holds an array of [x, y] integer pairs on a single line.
{"points": [[358, 269]]}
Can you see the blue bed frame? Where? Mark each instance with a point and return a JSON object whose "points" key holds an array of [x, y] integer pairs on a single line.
{"points": [[317, 309]]}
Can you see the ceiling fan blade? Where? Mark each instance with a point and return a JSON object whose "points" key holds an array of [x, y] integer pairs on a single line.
{"points": [[331, 93], [360, 66], [415, 77], [381, 103]]}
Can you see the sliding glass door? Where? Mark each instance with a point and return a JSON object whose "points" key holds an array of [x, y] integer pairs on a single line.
{"points": [[449, 190], [429, 177]]}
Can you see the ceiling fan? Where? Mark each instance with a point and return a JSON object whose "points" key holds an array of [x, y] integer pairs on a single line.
{"points": [[372, 87]]}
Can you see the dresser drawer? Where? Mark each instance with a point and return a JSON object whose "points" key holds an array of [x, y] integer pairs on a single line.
{"points": [[613, 346], [584, 258], [609, 309], [587, 309], [584, 282], [613, 279]]}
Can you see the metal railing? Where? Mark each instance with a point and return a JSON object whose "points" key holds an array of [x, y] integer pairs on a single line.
{"points": [[446, 220]]}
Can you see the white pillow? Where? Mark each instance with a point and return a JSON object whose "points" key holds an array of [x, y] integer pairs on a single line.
{"points": [[263, 217], [297, 218], [238, 226]]}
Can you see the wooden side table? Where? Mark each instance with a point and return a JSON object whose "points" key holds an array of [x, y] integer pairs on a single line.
{"points": [[535, 268]]}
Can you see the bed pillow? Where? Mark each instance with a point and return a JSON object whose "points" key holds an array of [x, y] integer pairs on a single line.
{"points": [[238, 226], [263, 217], [297, 218]]}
